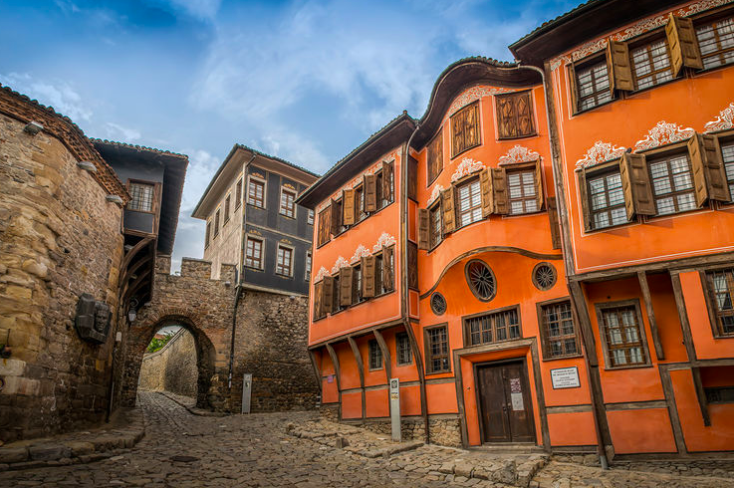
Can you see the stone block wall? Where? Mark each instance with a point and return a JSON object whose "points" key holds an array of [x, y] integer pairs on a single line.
{"points": [[444, 430], [173, 368], [59, 238]]}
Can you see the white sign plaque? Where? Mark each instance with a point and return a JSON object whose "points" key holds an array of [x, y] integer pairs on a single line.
{"points": [[565, 378]]}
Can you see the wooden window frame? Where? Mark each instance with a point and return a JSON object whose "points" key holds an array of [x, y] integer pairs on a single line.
{"points": [[208, 234], [667, 152], [708, 18], [572, 72], [217, 221], [454, 117], [374, 353], [434, 240], [400, 337], [277, 264], [262, 252], [726, 138], [154, 199], [711, 306], [534, 167], [227, 208], [310, 217], [543, 326], [471, 288], [427, 349], [257, 180], [430, 178], [238, 196], [533, 117], [491, 313], [648, 39], [634, 303], [308, 266], [588, 213], [294, 193], [458, 185]]}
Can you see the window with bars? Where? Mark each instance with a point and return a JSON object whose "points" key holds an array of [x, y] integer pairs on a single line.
{"points": [[208, 235], [402, 349], [288, 203], [716, 42], [727, 153], [238, 194], [284, 262], [254, 253], [469, 204], [310, 217], [216, 223], [721, 290], [522, 190], [672, 184], [623, 335], [434, 227], [227, 204], [592, 85], [375, 355], [558, 331], [141, 197], [437, 350], [256, 193], [308, 266], [515, 115], [493, 327], [606, 200], [651, 64]]}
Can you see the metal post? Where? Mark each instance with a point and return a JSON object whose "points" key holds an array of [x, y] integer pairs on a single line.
{"points": [[395, 409]]}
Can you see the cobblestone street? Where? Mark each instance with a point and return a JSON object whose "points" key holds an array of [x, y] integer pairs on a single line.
{"points": [[184, 450]]}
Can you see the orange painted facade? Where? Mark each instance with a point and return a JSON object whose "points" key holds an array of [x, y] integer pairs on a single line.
{"points": [[547, 285]]}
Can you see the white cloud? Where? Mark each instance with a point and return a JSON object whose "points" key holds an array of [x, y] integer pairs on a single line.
{"points": [[58, 94], [117, 132], [202, 166]]}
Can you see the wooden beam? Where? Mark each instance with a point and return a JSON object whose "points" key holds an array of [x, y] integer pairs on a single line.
{"points": [[582, 312], [675, 425], [316, 370], [683, 316], [360, 367], [132, 252], [642, 278], [335, 362], [385, 354], [701, 395], [421, 377], [137, 284]]}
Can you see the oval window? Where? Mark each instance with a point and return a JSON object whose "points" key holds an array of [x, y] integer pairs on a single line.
{"points": [[481, 280]]}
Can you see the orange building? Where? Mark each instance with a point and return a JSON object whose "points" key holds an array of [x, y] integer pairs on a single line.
{"points": [[562, 281]]}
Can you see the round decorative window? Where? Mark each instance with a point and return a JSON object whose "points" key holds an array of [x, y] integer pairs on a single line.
{"points": [[438, 304], [544, 276], [481, 280]]}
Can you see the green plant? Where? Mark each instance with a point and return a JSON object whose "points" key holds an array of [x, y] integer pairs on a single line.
{"points": [[157, 343]]}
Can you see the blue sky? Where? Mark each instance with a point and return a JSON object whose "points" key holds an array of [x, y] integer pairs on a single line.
{"points": [[304, 80]]}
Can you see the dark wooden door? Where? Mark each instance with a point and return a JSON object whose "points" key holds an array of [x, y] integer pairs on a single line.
{"points": [[504, 403]]}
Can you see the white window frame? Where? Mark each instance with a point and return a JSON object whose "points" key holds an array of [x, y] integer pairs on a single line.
{"points": [[262, 251], [283, 189], [309, 265], [265, 191], [293, 255]]}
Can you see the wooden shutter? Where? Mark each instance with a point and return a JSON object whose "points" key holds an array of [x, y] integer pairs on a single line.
{"points": [[539, 184], [524, 110], [573, 83], [387, 179], [348, 207], [584, 195], [499, 187], [485, 180], [413, 178], [435, 157], [449, 216], [412, 265], [471, 126], [346, 275], [638, 197], [370, 193], [327, 298], [619, 66], [388, 255], [697, 167], [335, 216], [715, 170], [683, 44], [317, 299], [555, 226], [423, 223], [325, 224], [368, 276]]}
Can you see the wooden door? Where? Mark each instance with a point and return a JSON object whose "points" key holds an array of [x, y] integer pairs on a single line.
{"points": [[504, 403]]}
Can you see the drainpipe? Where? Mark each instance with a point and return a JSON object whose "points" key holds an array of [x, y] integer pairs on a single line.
{"points": [[549, 113], [404, 275], [240, 277]]}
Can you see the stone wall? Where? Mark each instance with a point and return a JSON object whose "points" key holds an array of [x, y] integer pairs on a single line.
{"points": [[444, 430], [59, 238], [173, 368]]}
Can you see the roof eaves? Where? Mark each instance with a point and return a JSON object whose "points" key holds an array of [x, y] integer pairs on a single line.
{"points": [[137, 147]]}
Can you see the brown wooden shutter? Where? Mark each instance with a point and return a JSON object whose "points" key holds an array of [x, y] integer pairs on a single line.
{"points": [[539, 184], [620, 68], [716, 180], [368, 276], [524, 110], [555, 226], [499, 187], [317, 294], [449, 216], [435, 157], [584, 195], [388, 256], [457, 133], [485, 181], [683, 44], [346, 275], [413, 178], [412, 265], [638, 197], [327, 298], [370, 193], [348, 207], [423, 219], [697, 167], [387, 180], [471, 126], [325, 224], [335, 216], [573, 83]]}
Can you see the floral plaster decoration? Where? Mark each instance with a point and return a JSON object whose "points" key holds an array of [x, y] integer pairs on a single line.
{"points": [[475, 93], [322, 272], [519, 154], [599, 153], [340, 263], [466, 167], [360, 253], [724, 121], [385, 240], [435, 194], [664, 133]]}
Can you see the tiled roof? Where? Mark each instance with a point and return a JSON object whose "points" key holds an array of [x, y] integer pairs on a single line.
{"points": [[276, 158], [553, 23], [135, 146]]}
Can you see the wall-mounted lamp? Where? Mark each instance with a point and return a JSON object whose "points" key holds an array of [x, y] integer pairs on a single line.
{"points": [[87, 166], [115, 199], [132, 315], [32, 128], [227, 283]]}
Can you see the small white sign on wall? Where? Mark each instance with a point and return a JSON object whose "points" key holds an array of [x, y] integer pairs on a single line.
{"points": [[565, 378]]}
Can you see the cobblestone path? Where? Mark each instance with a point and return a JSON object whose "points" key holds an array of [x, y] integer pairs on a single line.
{"points": [[256, 451]]}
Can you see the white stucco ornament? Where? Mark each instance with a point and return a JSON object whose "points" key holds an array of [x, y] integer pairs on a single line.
{"points": [[519, 154], [664, 133], [322, 272], [724, 121], [599, 153], [385, 240], [466, 167]]}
